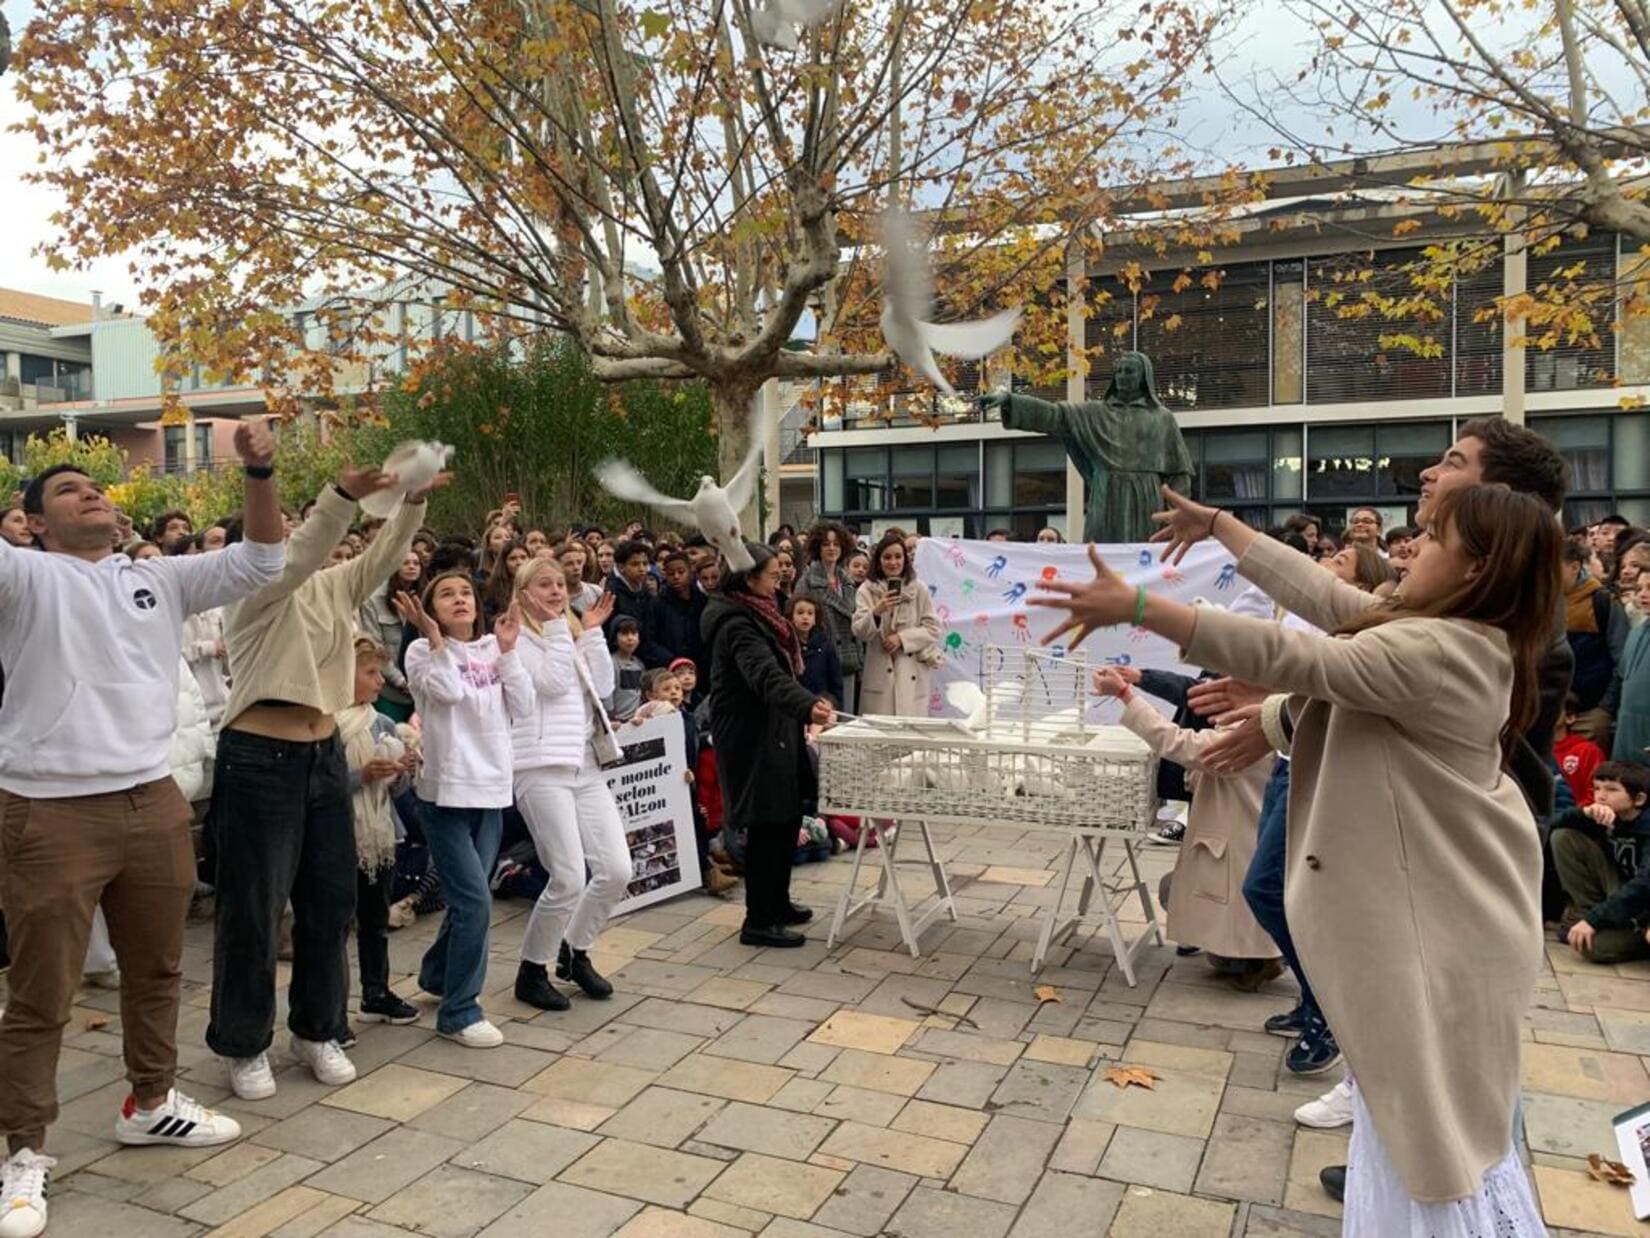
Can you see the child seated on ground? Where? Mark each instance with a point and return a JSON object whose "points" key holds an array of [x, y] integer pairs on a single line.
{"points": [[627, 670], [1207, 908], [1577, 756], [1602, 853]]}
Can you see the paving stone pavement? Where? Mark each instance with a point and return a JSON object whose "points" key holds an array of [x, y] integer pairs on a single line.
{"points": [[808, 1093]]}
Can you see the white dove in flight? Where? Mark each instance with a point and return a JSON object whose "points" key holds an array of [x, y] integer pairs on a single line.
{"points": [[908, 300], [713, 509], [415, 464], [776, 24]]}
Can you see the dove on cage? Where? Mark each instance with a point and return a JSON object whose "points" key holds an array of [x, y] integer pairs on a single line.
{"points": [[908, 305], [415, 464], [713, 509]]}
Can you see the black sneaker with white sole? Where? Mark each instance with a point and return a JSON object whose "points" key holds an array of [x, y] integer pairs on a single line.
{"points": [[1314, 1053], [1170, 834], [1290, 1023], [387, 1008]]}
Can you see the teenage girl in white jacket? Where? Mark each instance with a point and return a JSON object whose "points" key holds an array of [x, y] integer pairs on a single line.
{"points": [[560, 788]]}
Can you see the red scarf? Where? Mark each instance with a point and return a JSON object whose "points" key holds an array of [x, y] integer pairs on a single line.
{"points": [[766, 612]]}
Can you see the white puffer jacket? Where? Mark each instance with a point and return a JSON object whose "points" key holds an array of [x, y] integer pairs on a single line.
{"points": [[555, 732], [191, 752]]}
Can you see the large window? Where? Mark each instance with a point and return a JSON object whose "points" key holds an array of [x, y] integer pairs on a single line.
{"points": [[1208, 341], [1357, 307], [942, 489], [1609, 459], [173, 441]]}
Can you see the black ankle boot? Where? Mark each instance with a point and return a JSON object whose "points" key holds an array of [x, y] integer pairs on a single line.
{"points": [[575, 965], [533, 987]]}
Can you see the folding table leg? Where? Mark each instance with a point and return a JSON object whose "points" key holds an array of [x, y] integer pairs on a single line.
{"points": [[1051, 921], [890, 888], [1144, 894], [942, 883], [847, 896]]}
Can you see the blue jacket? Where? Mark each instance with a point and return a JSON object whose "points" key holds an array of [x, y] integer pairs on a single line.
{"points": [[821, 668]]}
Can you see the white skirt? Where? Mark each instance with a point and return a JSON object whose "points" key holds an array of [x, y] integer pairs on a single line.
{"points": [[1377, 1206]]}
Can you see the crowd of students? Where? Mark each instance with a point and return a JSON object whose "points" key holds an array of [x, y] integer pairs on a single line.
{"points": [[404, 721]]}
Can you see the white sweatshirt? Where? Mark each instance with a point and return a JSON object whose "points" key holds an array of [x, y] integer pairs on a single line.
{"points": [[565, 677], [465, 695], [92, 653]]}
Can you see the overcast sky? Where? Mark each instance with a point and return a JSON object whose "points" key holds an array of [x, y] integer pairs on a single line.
{"points": [[1207, 123]]}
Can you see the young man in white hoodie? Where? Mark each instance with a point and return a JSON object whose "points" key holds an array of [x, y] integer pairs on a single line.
{"points": [[89, 813]]}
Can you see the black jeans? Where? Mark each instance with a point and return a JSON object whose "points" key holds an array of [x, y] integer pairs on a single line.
{"points": [[282, 822], [768, 849], [372, 928]]}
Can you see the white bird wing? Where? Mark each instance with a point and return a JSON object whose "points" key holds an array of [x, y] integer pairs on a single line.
{"points": [[907, 285], [741, 488], [979, 338], [806, 13], [771, 29], [908, 343], [410, 462], [622, 481]]}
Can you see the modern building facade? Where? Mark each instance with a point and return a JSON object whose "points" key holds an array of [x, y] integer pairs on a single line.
{"points": [[1288, 400]]}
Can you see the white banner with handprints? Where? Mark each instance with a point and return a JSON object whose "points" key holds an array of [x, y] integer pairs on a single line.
{"points": [[980, 592]]}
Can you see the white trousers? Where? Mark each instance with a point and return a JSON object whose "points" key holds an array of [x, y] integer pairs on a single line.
{"points": [[574, 822]]}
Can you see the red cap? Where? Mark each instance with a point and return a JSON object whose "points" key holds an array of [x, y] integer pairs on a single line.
{"points": [[681, 662]]}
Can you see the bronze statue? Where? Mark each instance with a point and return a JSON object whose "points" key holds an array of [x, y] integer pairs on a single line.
{"points": [[1125, 445]]}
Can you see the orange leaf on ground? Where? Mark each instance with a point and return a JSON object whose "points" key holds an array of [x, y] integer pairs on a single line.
{"points": [[1132, 1076], [1047, 993]]}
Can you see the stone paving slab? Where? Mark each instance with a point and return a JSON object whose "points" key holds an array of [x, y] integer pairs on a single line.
{"points": [[815, 1093]]}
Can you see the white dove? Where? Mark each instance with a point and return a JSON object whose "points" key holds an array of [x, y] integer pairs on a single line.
{"points": [[415, 464], [908, 300], [713, 509], [776, 23]]}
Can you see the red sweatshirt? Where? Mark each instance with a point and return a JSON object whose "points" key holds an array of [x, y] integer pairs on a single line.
{"points": [[1577, 758]]}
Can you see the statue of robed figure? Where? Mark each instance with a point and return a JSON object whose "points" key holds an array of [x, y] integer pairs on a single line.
{"points": [[1125, 445]]}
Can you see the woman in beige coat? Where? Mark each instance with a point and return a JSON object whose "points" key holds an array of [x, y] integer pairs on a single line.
{"points": [[1414, 883], [894, 616]]}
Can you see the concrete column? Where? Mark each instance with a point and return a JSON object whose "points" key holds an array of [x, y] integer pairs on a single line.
{"points": [[1514, 271], [1076, 377], [770, 456]]}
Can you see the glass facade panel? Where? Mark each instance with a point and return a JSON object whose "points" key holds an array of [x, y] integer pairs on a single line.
{"points": [[1630, 456], [1039, 474], [957, 476], [1352, 325], [1235, 465], [1286, 464], [1208, 341], [913, 477], [1584, 442], [831, 494], [999, 474], [1288, 332], [865, 479], [1340, 463], [1404, 451]]}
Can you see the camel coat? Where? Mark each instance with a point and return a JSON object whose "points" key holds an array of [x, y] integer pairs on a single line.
{"points": [[895, 683], [1413, 879], [1206, 904]]}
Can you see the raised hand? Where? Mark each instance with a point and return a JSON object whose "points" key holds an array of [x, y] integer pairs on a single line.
{"points": [[599, 612], [418, 496], [507, 628], [993, 401], [1182, 525], [1101, 602], [1238, 745], [412, 612], [1220, 699], [1109, 681], [254, 444], [359, 483]]}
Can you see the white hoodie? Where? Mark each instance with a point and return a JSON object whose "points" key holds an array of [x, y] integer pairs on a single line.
{"points": [[465, 695], [92, 653], [569, 682]]}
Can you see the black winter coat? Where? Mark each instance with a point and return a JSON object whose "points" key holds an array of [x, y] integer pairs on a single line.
{"points": [[678, 626], [643, 607], [757, 714]]}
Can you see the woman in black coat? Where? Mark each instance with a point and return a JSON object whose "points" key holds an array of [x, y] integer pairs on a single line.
{"points": [[757, 713]]}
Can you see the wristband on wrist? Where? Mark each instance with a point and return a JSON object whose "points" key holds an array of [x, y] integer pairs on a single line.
{"points": [[343, 492], [1125, 694], [1139, 605], [1214, 518], [259, 472]]}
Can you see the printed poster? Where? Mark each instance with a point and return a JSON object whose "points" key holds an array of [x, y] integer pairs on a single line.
{"points": [[656, 806]]}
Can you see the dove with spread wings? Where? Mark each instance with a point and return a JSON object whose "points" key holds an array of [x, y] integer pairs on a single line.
{"points": [[908, 303], [713, 509], [778, 23]]}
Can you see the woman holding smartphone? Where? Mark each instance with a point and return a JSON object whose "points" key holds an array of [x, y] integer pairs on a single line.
{"points": [[894, 616]]}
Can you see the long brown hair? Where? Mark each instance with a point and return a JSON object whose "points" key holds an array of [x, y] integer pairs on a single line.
{"points": [[1517, 542]]}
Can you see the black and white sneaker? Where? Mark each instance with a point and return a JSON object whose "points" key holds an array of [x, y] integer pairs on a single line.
{"points": [[23, 1208], [178, 1121], [1170, 834], [387, 1008]]}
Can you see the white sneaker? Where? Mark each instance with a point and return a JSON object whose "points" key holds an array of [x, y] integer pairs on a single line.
{"points": [[178, 1120], [23, 1210], [1332, 1109], [326, 1061], [478, 1035], [103, 979], [250, 1077]]}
